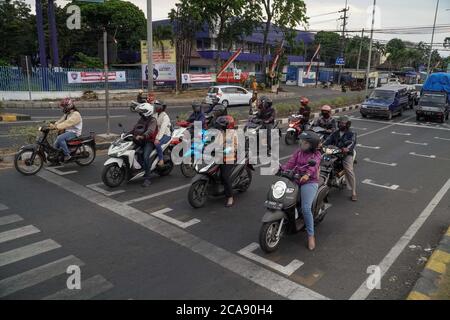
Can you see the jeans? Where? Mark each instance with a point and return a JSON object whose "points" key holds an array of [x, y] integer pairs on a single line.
{"points": [[162, 141], [148, 148], [225, 173], [306, 196], [61, 142]]}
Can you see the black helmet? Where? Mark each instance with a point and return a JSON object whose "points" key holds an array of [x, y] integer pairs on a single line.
{"points": [[159, 106], [196, 106], [219, 110], [344, 123], [265, 102], [312, 138], [222, 123]]}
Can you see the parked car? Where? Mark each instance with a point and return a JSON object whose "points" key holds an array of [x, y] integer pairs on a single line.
{"points": [[433, 105], [386, 102], [229, 95]]}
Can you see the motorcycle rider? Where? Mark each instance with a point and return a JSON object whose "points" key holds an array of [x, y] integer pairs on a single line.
{"points": [[140, 97], [325, 120], [305, 110], [345, 139], [144, 132], [309, 182], [197, 114], [253, 104], [72, 125], [223, 123], [164, 132], [267, 114]]}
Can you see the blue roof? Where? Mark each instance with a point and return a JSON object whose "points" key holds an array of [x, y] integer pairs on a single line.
{"points": [[243, 57]]}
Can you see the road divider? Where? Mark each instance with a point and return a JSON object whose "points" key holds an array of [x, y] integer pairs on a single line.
{"points": [[13, 117]]}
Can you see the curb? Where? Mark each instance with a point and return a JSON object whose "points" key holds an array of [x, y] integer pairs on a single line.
{"points": [[14, 117], [431, 276]]}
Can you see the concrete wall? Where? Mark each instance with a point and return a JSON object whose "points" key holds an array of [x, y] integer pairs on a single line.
{"points": [[53, 95]]}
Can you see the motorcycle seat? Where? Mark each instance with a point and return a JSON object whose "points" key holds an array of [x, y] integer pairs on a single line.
{"points": [[78, 140]]}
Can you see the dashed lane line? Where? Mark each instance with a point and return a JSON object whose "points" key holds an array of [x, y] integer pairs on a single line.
{"points": [[17, 233], [10, 219], [364, 290], [27, 251], [89, 288], [239, 265]]}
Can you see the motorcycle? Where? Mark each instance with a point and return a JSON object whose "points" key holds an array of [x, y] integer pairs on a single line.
{"points": [[282, 215], [295, 128], [133, 106], [208, 182], [30, 159], [331, 167], [126, 161], [252, 128], [321, 132]]}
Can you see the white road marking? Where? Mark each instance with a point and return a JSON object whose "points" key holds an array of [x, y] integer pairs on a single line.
{"points": [[3, 207], [59, 172], [27, 251], [371, 183], [401, 134], [382, 163], [17, 233], [232, 262], [160, 214], [363, 291], [286, 270], [422, 155], [154, 195], [445, 139], [37, 275], [404, 123], [417, 143], [89, 288], [96, 187], [10, 219], [357, 128], [367, 147]]}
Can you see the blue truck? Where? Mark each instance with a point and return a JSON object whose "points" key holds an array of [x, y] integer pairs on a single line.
{"points": [[435, 98]]}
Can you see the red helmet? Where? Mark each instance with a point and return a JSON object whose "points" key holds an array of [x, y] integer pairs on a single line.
{"points": [[67, 104], [326, 108], [304, 101]]}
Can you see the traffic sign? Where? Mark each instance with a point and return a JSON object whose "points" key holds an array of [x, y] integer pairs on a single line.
{"points": [[340, 61]]}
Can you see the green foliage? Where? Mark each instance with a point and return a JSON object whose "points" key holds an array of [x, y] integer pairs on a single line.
{"points": [[30, 133], [330, 43], [85, 61]]}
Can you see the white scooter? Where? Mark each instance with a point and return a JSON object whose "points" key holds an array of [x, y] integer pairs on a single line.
{"points": [[126, 161]]}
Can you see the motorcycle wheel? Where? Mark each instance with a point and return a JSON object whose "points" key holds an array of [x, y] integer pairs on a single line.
{"points": [[168, 167], [197, 194], [243, 187], [89, 159], [188, 170], [23, 165], [113, 175], [268, 240], [289, 138]]}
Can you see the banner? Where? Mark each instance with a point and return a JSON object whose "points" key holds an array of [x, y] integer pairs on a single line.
{"points": [[162, 73], [187, 78], [92, 76], [163, 53]]}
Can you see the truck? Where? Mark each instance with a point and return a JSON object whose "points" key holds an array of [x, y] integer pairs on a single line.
{"points": [[435, 98]]}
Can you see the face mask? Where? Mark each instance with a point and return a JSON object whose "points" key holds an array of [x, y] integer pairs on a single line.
{"points": [[305, 146], [326, 115], [342, 127]]}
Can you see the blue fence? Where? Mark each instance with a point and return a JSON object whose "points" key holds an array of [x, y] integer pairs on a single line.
{"points": [[46, 79]]}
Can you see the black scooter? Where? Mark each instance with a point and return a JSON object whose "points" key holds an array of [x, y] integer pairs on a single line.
{"points": [[282, 216]]}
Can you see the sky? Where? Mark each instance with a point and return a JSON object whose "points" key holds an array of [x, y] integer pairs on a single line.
{"points": [[390, 14]]}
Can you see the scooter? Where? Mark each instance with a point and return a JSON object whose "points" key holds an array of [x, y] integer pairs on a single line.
{"points": [[295, 128], [332, 168], [208, 182], [30, 159], [282, 216], [126, 161]]}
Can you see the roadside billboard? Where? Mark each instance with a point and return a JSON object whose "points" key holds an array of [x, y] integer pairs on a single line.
{"points": [[164, 62], [188, 78], [93, 76]]}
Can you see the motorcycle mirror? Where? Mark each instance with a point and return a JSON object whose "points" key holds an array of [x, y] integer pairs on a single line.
{"points": [[312, 163], [120, 125]]}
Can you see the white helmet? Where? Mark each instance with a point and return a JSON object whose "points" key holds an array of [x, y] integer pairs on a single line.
{"points": [[145, 109]]}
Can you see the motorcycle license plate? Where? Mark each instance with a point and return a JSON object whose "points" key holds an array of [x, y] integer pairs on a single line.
{"points": [[273, 205]]}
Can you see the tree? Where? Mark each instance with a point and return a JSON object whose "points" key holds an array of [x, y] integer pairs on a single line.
{"points": [[285, 13], [329, 46], [161, 33], [17, 31]]}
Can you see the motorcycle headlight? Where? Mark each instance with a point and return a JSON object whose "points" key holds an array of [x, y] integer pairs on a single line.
{"points": [[279, 189]]}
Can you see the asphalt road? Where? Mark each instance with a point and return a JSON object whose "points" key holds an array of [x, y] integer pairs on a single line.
{"points": [[127, 251]]}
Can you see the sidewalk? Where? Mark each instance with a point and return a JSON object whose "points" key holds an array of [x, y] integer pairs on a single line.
{"points": [[434, 283]]}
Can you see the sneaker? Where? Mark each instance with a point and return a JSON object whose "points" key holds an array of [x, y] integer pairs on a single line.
{"points": [[146, 183], [67, 158]]}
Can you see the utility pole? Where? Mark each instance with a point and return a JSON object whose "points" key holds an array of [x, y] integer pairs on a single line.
{"points": [[370, 47], [149, 47], [344, 24], [105, 65], [53, 33], [432, 40], [360, 50], [40, 32]]}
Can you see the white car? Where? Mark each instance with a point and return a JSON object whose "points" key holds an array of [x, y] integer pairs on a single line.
{"points": [[229, 95]]}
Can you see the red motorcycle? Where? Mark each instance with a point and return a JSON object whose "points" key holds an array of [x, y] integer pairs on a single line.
{"points": [[295, 128]]}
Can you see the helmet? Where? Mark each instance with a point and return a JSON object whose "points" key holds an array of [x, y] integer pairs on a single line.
{"points": [[304, 101], [141, 91], [196, 106], [145, 109], [344, 123], [265, 102], [67, 105], [159, 106], [310, 137], [219, 110], [224, 122], [326, 108]]}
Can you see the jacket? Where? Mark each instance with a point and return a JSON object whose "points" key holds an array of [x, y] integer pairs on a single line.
{"points": [[301, 158], [146, 127], [329, 124], [348, 140], [71, 122], [197, 116], [267, 115], [163, 122]]}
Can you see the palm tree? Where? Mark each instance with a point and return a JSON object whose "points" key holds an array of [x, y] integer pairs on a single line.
{"points": [[161, 33]]}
